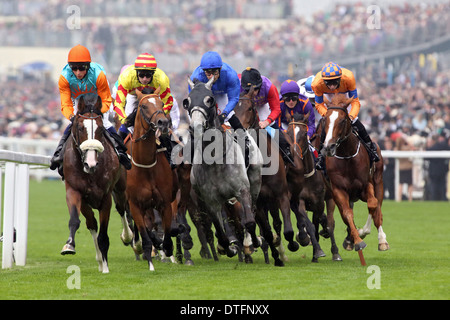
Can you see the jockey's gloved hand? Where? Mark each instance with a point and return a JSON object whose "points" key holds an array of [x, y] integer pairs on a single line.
{"points": [[222, 118]]}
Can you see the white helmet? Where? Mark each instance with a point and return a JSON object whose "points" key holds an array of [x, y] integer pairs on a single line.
{"points": [[305, 87]]}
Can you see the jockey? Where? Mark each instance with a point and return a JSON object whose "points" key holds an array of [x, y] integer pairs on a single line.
{"points": [[226, 90], [81, 77], [306, 90], [267, 99], [292, 101], [143, 74], [333, 79]]}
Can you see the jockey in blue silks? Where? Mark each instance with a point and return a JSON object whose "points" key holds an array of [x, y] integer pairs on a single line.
{"points": [[226, 89]]}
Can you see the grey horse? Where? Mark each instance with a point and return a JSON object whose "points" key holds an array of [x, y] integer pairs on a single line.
{"points": [[219, 174]]}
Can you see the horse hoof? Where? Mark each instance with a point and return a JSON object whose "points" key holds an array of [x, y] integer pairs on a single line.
{"points": [[279, 263], [319, 254], [189, 262], [232, 251], [293, 246], [68, 249], [360, 246], [306, 241], [337, 257], [383, 246], [348, 245], [324, 234]]}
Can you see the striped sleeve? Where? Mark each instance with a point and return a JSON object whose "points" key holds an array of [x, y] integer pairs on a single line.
{"points": [[66, 98]]}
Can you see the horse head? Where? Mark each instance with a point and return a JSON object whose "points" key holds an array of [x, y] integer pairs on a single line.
{"points": [[201, 106], [337, 123], [87, 131], [150, 115], [245, 110], [297, 131]]}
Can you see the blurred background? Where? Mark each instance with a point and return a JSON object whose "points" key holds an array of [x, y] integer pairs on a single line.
{"points": [[398, 50]]}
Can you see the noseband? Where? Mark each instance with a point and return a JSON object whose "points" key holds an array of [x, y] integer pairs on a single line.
{"points": [[75, 137], [342, 139]]}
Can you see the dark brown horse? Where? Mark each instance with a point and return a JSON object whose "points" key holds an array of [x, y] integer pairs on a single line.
{"points": [[307, 184], [91, 170], [274, 193], [350, 172], [150, 182]]}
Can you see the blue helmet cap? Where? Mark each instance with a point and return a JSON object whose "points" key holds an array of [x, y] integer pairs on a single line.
{"points": [[211, 60], [289, 86]]}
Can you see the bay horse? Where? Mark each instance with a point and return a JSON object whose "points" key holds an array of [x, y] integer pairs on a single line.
{"points": [[220, 175], [150, 182], [308, 182], [91, 170], [276, 190], [351, 175]]}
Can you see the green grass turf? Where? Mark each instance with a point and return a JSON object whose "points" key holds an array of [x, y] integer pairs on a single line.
{"points": [[416, 267]]}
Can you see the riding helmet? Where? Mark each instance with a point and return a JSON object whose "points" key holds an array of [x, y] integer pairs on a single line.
{"points": [[251, 77], [331, 71], [289, 86], [211, 60], [79, 53], [145, 61]]}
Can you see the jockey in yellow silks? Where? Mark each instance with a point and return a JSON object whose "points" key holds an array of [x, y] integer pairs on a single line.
{"points": [[333, 79], [143, 74]]}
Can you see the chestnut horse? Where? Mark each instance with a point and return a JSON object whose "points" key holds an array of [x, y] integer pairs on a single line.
{"points": [[91, 170], [308, 182], [150, 182], [351, 175]]}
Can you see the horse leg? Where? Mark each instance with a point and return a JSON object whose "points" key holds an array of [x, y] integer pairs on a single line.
{"points": [[346, 211], [378, 215], [73, 200], [330, 228], [275, 213], [285, 207], [303, 220], [92, 226], [166, 215], [147, 245], [121, 206], [264, 226]]}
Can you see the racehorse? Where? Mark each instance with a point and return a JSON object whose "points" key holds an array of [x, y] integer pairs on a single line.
{"points": [[275, 189], [351, 175], [150, 182], [220, 175], [91, 170], [307, 181]]}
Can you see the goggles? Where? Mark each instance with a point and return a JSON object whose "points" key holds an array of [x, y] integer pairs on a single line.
{"points": [[209, 72], [290, 98], [146, 74], [81, 67]]}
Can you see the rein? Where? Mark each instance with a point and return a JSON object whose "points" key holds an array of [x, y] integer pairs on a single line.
{"points": [[340, 140]]}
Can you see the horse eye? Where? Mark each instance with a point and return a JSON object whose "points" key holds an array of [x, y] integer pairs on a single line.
{"points": [[208, 101]]}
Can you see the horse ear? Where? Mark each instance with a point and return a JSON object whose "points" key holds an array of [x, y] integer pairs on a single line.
{"points": [[210, 83], [81, 105], [288, 116], [138, 94], [98, 104], [348, 101], [186, 103], [157, 91], [190, 83], [306, 116]]}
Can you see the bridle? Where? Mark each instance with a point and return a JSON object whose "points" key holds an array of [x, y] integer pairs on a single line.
{"points": [[342, 139], [75, 135], [148, 120], [253, 108], [307, 151]]}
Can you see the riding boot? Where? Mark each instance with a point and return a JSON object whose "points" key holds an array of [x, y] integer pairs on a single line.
{"points": [[285, 149], [320, 165], [119, 147], [166, 142], [236, 124], [372, 148], [57, 158]]}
